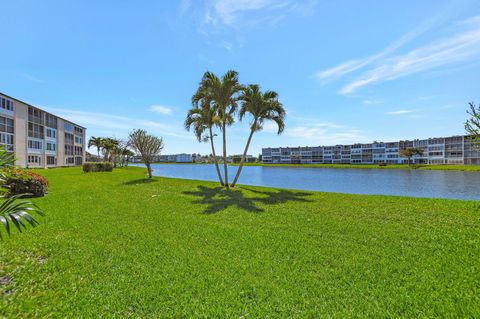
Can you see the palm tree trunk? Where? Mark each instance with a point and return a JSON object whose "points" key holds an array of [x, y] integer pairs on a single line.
{"points": [[215, 158], [225, 168], [243, 159]]}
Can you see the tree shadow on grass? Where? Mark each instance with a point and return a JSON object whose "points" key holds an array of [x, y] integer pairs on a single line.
{"points": [[140, 181], [218, 198]]}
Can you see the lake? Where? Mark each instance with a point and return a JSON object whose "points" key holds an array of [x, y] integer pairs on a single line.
{"points": [[416, 183]]}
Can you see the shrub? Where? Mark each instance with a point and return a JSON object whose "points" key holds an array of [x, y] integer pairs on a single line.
{"points": [[19, 181], [91, 167], [382, 164]]}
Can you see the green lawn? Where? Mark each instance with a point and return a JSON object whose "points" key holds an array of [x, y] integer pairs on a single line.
{"points": [[475, 168], [113, 245]]}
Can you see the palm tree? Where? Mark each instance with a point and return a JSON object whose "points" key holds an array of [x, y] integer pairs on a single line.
{"points": [[262, 107], [223, 93], [97, 142], [127, 154], [109, 145], [202, 117]]}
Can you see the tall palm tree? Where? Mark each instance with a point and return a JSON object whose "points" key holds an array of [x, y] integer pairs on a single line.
{"points": [[201, 117], [97, 142], [223, 93], [109, 146], [262, 107]]}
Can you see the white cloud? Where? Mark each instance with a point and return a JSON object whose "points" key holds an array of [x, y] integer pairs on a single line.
{"points": [[400, 112], [32, 78], [371, 102], [122, 125], [447, 52], [354, 65], [165, 110], [462, 47]]}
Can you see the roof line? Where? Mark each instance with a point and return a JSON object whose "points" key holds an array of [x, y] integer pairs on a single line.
{"points": [[28, 104]]}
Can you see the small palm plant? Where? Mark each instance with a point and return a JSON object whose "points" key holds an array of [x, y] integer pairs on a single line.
{"points": [[13, 210]]}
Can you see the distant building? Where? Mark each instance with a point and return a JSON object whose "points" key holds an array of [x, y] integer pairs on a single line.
{"points": [[176, 158], [455, 150]]}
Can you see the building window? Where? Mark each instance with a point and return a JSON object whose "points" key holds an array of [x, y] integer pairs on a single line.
{"points": [[78, 130], [51, 133], [78, 140], [69, 160], [37, 145], [68, 127], [6, 125], [6, 140], [6, 104], [35, 130], [51, 160], [78, 150], [51, 146], [51, 120], [33, 159], [35, 116]]}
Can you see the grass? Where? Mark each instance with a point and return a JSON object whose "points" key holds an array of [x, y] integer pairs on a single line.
{"points": [[473, 168], [117, 245]]}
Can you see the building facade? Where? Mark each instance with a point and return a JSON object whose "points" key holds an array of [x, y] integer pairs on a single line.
{"points": [[39, 139], [176, 158], [454, 150]]}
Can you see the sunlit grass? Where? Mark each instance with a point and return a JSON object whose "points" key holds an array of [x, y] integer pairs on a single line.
{"points": [[116, 245]]}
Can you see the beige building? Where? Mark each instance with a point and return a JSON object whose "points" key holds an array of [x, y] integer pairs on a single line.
{"points": [[38, 138]]}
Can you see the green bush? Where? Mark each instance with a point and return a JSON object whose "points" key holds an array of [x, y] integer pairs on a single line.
{"points": [[19, 181], [91, 167]]}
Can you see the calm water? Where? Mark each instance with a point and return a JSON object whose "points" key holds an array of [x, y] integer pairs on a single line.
{"points": [[418, 183]]}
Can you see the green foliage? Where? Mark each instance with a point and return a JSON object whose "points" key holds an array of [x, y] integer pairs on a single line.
{"points": [[92, 167], [472, 125], [138, 248], [19, 181], [148, 146], [13, 211]]}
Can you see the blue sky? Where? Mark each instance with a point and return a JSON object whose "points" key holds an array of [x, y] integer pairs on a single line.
{"points": [[346, 71]]}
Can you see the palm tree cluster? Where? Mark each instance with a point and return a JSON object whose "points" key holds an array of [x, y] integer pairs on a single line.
{"points": [[112, 150], [216, 104]]}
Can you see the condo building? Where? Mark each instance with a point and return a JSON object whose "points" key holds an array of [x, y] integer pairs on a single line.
{"points": [[39, 139], [454, 150]]}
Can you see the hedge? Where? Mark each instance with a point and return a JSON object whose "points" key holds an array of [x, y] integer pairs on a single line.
{"points": [[91, 167]]}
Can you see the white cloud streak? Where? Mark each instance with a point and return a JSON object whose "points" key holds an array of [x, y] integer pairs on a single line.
{"points": [[382, 66], [165, 110], [400, 112], [120, 124]]}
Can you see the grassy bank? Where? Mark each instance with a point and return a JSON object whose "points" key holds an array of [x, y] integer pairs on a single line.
{"points": [[114, 245], [473, 168]]}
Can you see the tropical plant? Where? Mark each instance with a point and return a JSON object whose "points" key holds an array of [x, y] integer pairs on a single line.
{"points": [[109, 146], [410, 152], [262, 107], [223, 93], [127, 155], [203, 116], [148, 146], [13, 210], [97, 142], [472, 125]]}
